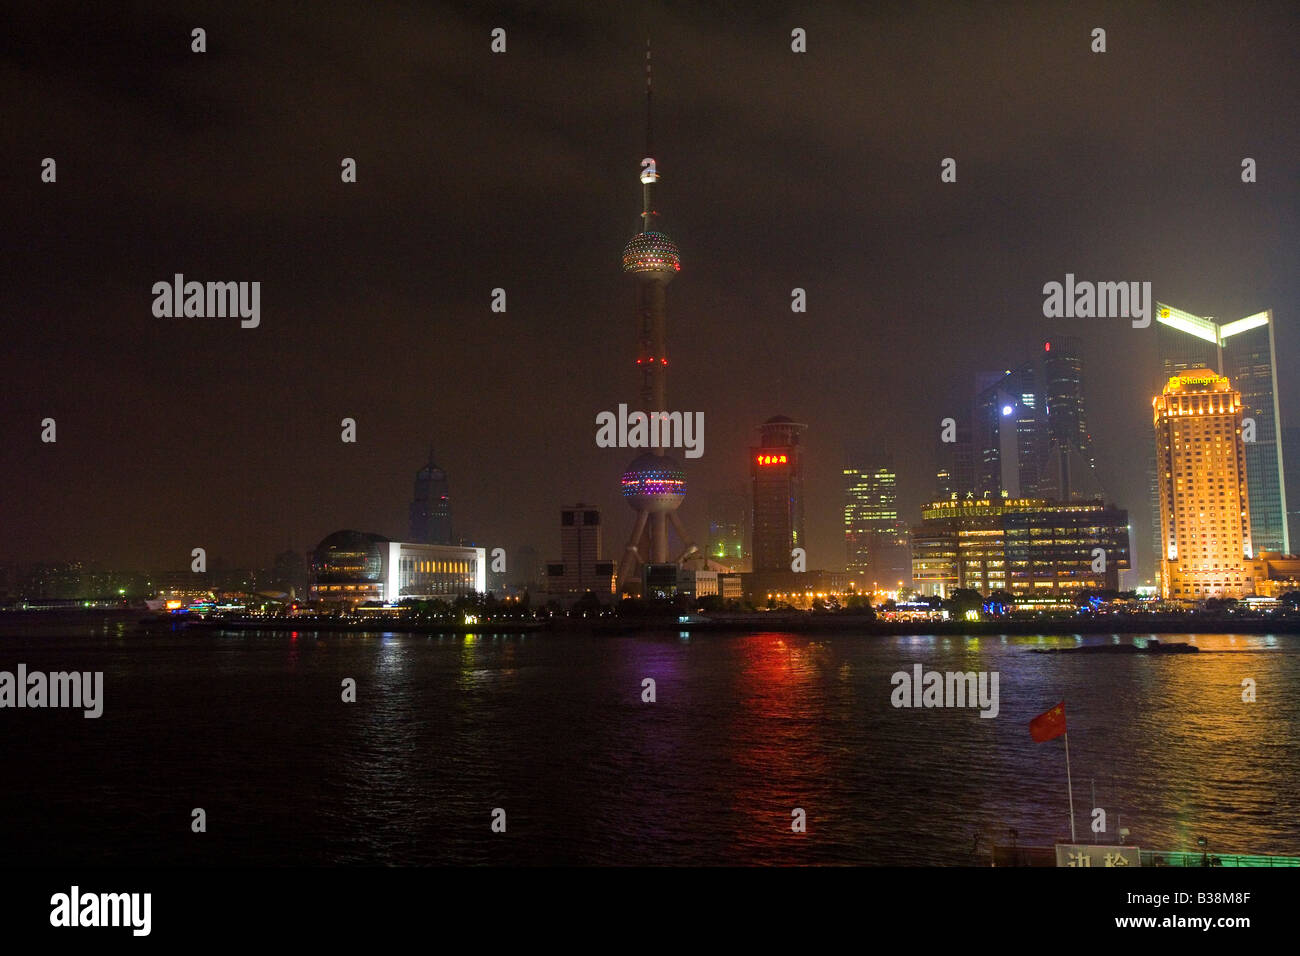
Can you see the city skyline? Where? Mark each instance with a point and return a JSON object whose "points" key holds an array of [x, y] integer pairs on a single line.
{"points": [[184, 452], [577, 436]]}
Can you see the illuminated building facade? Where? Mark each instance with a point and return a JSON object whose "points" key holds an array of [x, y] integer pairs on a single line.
{"points": [[1244, 351], [1053, 550], [581, 567], [776, 477], [431, 505], [877, 542], [935, 566], [1206, 547], [1027, 546], [697, 583], [1276, 574], [417, 571], [354, 567]]}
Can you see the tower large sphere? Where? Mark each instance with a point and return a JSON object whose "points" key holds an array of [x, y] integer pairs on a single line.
{"points": [[652, 254], [654, 483]]}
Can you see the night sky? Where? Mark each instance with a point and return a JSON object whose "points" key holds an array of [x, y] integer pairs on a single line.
{"points": [[476, 171]]}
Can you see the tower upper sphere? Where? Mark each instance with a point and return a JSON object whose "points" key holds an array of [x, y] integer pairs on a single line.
{"points": [[652, 254]]}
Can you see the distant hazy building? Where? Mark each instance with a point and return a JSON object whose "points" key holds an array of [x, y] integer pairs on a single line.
{"points": [[728, 530], [1026, 434], [290, 573], [877, 543], [431, 506], [1028, 417], [581, 567], [1291, 461], [954, 471], [1250, 364], [993, 441], [1244, 351], [527, 570], [1069, 469], [776, 476], [1027, 546], [1204, 506]]}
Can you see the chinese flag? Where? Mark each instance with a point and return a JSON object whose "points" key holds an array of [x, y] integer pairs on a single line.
{"points": [[1048, 726]]}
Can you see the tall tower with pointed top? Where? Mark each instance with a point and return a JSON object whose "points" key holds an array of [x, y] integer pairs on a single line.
{"points": [[431, 506], [652, 259], [654, 484]]}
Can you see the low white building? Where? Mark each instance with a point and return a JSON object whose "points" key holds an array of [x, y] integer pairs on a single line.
{"points": [[432, 571]]}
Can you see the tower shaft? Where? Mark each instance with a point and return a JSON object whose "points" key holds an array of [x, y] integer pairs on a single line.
{"points": [[652, 345]]}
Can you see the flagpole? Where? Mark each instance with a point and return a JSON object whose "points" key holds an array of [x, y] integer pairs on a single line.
{"points": [[1070, 786]]}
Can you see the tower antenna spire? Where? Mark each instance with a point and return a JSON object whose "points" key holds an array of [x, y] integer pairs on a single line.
{"points": [[649, 139]]}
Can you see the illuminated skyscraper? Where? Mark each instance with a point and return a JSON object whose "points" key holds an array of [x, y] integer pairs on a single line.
{"points": [[776, 474], [1201, 472], [877, 542], [654, 485], [431, 506], [1244, 351]]}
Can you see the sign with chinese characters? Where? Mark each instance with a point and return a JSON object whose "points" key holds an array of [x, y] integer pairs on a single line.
{"points": [[1106, 854]]}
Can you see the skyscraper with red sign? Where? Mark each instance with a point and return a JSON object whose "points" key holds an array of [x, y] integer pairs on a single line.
{"points": [[776, 473]]}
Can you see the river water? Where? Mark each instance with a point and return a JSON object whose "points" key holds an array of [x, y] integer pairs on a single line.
{"points": [[552, 730]]}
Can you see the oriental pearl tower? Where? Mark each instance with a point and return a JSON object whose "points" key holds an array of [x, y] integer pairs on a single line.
{"points": [[654, 484]]}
